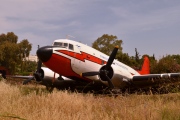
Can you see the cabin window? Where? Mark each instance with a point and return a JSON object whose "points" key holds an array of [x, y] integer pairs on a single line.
{"points": [[65, 44], [71, 47]]}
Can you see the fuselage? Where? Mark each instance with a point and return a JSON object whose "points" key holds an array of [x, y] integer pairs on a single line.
{"points": [[70, 58]]}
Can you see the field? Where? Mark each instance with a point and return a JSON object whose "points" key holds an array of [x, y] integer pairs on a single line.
{"points": [[33, 102]]}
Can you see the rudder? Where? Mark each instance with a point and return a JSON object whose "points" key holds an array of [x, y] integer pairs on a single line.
{"points": [[145, 67]]}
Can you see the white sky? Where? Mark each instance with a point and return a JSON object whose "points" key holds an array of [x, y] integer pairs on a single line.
{"points": [[151, 26]]}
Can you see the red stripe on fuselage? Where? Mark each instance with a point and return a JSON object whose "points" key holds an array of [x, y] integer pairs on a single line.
{"points": [[83, 56], [62, 66]]}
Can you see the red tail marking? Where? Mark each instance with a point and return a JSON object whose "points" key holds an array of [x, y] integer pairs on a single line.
{"points": [[145, 68]]}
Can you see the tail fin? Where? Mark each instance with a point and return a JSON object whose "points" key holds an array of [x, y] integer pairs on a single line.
{"points": [[145, 67]]}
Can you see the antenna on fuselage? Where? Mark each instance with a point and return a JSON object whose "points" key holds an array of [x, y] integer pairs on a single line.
{"points": [[68, 36]]}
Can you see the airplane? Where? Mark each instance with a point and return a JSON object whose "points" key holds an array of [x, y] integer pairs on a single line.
{"points": [[81, 63]]}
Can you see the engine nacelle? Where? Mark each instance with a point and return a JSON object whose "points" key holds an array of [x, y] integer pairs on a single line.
{"points": [[116, 75], [47, 74]]}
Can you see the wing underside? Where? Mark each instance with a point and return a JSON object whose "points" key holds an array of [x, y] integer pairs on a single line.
{"points": [[140, 81]]}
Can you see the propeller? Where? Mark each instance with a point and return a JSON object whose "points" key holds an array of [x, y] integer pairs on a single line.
{"points": [[37, 74], [28, 80], [106, 72]]}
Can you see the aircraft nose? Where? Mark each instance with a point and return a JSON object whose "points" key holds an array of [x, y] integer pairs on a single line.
{"points": [[44, 53]]}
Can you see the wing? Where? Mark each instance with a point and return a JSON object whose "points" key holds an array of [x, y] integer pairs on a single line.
{"points": [[23, 77], [154, 79]]}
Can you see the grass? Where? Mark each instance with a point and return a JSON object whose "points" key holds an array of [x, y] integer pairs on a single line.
{"points": [[35, 103]]}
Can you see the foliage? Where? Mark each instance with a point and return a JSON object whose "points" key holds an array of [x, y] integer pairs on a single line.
{"points": [[126, 59], [11, 52], [25, 48], [106, 43], [137, 55], [28, 67], [10, 37], [168, 64]]}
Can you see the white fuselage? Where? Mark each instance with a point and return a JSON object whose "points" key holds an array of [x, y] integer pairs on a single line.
{"points": [[70, 58]]}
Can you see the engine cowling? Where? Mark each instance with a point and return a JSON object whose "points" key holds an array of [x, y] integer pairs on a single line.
{"points": [[109, 72], [47, 74]]}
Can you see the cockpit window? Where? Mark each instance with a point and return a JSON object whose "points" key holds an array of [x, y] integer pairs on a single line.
{"points": [[71, 47], [64, 45], [58, 44]]}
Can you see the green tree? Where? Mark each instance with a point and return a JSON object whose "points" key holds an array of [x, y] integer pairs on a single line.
{"points": [[176, 58], [9, 58], [31, 66], [24, 48], [11, 37], [167, 64], [2, 38], [126, 59], [106, 43], [11, 52], [136, 55]]}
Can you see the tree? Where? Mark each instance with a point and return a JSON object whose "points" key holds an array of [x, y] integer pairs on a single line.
{"points": [[24, 48], [124, 58], [167, 64], [11, 37], [106, 43], [9, 58], [2, 38], [11, 52], [31, 66], [136, 55]]}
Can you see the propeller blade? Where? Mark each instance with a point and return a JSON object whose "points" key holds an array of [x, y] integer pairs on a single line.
{"points": [[89, 74], [112, 57], [109, 82], [39, 66], [36, 74], [28, 80]]}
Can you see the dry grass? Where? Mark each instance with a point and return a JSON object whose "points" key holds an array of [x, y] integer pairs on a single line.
{"points": [[34, 103]]}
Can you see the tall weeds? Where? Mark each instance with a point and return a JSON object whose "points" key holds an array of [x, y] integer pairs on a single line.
{"points": [[35, 103]]}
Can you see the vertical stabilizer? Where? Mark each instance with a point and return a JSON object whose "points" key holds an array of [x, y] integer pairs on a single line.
{"points": [[145, 67]]}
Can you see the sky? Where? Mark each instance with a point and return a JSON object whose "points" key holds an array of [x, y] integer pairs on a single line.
{"points": [[151, 26]]}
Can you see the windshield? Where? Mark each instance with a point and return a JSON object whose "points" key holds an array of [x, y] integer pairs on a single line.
{"points": [[64, 45], [60, 44]]}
